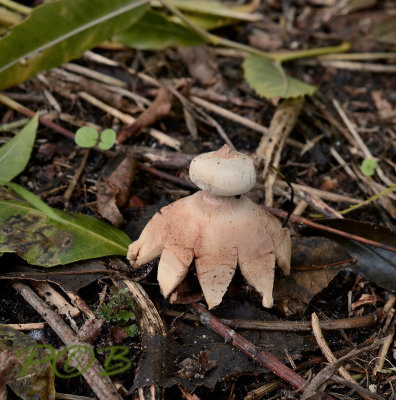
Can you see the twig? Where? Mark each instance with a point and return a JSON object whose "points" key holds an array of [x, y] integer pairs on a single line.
{"points": [[76, 177], [101, 385], [323, 376], [271, 144], [28, 327], [358, 139], [229, 115], [263, 357], [128, 119], [293, 326], [370, 199], [382, 354], [169, 177], [302, 220], [322, 194], [325, 348], [364, 392]]}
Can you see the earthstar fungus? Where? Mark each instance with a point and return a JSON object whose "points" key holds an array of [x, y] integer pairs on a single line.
{"points": [[219, 228]]}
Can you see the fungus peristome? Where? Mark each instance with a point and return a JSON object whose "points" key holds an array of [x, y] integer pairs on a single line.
{"points": [[219, 228]]}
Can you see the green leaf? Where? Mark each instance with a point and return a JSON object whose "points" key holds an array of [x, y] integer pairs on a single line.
{"points": [[15, 154], [37, 380], [107, 139], [214, 8], [368, 166], [131, 330], [270, 80], [156, 31], [61, 30], [86, 137], [45, 236]]}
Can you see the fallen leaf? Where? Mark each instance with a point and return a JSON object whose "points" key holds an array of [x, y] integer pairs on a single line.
{"points": [[270, 80], [167, 362], [375, 264], [202, 65], [114, 187], [37, 381], [62, 276], [293, 293], [15, 154], [46, 236], [364, 299], [158, 109]]}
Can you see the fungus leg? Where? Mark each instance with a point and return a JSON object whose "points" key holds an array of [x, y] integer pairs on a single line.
{"points": [[173, 267], [259, 272], [150, 243], [215, 273]]}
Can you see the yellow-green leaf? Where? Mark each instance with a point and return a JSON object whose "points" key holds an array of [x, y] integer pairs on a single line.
{"points": [[15, 154], [61, 30], [156, 31], [270, 80]]}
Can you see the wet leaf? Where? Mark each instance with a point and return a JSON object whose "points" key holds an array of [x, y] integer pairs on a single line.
{"points": [[293, 293], [67, 281], [38, 379], [375, 264], [58, 31], [15, 154], [200, 356], [114, 187], [270, 80], [46, 236], [159, 32]]}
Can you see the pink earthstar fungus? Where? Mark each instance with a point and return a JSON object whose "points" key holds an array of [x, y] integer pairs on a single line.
{"points": [[219, 228]]}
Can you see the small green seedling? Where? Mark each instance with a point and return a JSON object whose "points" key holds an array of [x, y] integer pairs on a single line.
{"points": [[89, 137], [119, 311], [368, 166]]}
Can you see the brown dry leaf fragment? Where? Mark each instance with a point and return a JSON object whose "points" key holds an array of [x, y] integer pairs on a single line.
{"points": [[293, 293], [202, 65], [158, 109], [114, 187], [364, 299]]}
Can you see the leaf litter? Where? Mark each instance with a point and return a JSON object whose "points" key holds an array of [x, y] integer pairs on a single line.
{"points": [[209, 363]]}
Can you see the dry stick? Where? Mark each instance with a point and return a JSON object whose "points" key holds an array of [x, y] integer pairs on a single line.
{"points": [[76, 176], [364, 392], [229, 115], [326, 349], [169, 177], [28, 327], [323, 376], [300, 326], [128, 119], [101, 385], [323, 194], [263, 357], [271, 144], [25, 111], [302, 220], [382, 354]]}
